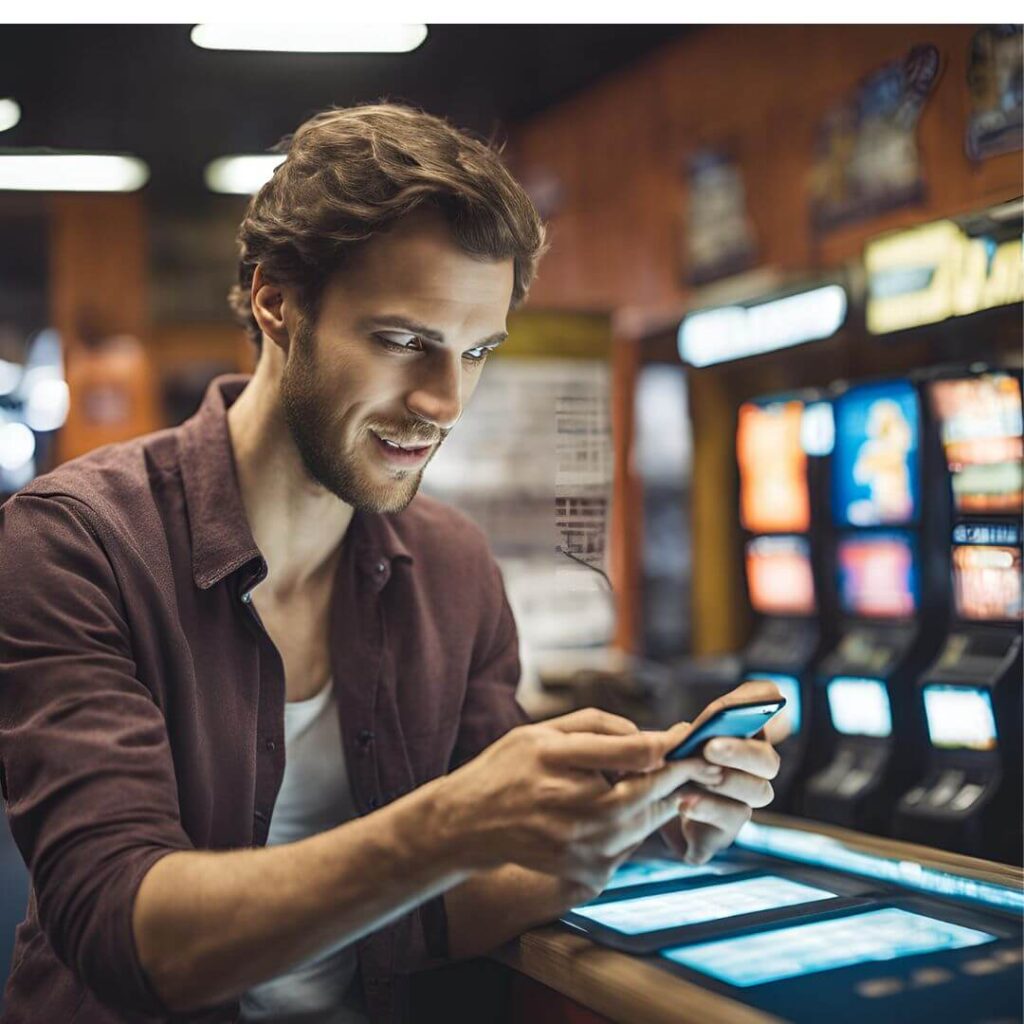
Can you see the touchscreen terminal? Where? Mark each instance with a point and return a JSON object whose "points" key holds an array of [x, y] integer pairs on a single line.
{"points": [[657, 869], [791, 952], [657, 913]]}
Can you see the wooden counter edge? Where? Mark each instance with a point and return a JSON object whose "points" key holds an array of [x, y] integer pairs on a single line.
{"points": [[627, 989]]}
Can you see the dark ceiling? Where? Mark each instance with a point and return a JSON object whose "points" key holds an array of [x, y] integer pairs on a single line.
{"points": [[147, 90]]}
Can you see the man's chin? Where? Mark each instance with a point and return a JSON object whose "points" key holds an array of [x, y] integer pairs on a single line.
{"points": [[384, 498]]}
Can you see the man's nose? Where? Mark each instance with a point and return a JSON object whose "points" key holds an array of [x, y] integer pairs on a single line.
{"points": [[436, 394]]}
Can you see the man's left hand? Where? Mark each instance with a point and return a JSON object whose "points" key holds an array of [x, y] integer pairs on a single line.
{"points": [[712, 813]]}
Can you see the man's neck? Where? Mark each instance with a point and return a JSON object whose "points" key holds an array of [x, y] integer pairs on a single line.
{"points": [[297, 524]]}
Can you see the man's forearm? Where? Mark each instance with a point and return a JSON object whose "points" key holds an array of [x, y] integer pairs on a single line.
{"points": [[209, 925], [495, 906]]}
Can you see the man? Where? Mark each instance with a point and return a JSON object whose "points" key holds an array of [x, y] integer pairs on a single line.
{"points": [[179, 611]]}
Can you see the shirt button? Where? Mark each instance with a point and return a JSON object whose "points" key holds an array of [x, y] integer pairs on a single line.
{"points": [[380, 568], [374, 803], [260, 817], [365, 737], [247, 597], [271, 745]]}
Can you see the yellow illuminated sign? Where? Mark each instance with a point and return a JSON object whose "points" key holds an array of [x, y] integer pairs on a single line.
{"points": [[938, 271]]}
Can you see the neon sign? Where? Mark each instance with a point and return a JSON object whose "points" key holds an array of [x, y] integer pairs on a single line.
{"points": [[720, 335], [938, 271]]}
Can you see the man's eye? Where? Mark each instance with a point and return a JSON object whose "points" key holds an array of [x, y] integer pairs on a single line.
{"points": [[476, 355], [396, 340]]}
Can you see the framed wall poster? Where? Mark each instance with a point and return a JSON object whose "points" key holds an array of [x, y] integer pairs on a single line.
{"points": [[995, 64], [718, 237], [866, 158]]}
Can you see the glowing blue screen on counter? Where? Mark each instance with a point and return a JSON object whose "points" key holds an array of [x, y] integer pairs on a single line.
{"points": [[859, 707], [825, 851], [695, 906], [875, 458], [657, 869], [789, 687], [887, 934]]}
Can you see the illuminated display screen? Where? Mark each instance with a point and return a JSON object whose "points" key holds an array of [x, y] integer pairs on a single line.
{"points": [[789, 687], [774, 497], [987, 582], [859, 707], [695, 906], [960, 717], [982, 428], [885, 934], [779, 576], [656, 869], [877, 575], [874, 461]]}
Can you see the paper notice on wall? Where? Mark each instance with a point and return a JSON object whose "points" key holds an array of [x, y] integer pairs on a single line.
{"points": [[531, 463]]}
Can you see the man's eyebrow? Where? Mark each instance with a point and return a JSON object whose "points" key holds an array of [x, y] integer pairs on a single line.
{"points": [[383, 321]]}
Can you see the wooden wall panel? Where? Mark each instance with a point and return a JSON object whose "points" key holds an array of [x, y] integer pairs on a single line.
{"points": [[618, 150]]}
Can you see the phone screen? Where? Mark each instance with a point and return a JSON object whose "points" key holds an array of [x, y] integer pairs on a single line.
{"points": [[741, 720]]}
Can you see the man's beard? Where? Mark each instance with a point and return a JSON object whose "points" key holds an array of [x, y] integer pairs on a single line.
{"points": [[317, 437]]}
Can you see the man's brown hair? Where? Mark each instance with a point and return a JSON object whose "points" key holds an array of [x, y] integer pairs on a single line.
{"points": [[350, 173]]}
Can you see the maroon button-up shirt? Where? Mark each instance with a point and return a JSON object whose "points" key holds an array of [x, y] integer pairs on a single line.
{"points": [[142, 703]]}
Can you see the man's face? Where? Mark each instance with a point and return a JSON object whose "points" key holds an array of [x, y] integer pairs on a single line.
{"points": [[372, 390]]}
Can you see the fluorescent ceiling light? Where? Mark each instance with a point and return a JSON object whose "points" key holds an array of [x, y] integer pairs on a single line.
{"points": [[10, 114], [71, 172], [311, 38], [241, 175]]}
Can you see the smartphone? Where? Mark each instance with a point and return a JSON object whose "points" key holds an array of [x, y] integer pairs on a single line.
{"points": [[740, 720]]}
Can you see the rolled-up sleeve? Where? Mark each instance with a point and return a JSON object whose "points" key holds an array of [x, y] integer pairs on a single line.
{"points": [[87, 773]]}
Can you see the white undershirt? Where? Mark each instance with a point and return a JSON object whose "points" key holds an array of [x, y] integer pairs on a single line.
{"points": [[314, 796]]}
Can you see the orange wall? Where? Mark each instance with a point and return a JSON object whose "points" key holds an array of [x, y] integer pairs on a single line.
{"points": [[619, 147]]}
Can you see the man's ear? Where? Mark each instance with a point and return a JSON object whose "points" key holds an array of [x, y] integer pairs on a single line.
{"points": [[268, 308]]}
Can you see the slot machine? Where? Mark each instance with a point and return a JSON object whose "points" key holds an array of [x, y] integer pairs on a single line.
{"points": [[889, 574], [779, 441], [969, 796]]}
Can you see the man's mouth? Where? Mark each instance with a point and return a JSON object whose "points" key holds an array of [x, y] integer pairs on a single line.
{"points": [[403, 453]]}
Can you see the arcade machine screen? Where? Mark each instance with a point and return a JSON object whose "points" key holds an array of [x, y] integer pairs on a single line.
{"points": [[877, 576], [888, 933], [987, 581], [981, 425], [875, 459], [960, 717], [779, 576], [774, 496], [859, 707]]}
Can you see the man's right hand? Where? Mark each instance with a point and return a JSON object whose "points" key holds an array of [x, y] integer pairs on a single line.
{"points": [[570, 797]]}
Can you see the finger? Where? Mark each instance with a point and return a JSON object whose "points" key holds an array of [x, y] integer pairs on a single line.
{"points": [[631, 794], [701, 842], [727, 815], [573, 790], [629, 833], [593, 720], [751, 790], [756, 757], [778, 729], [638, 752]]}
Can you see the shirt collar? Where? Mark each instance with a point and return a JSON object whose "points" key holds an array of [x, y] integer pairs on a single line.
{"points": [[221, 538]]}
